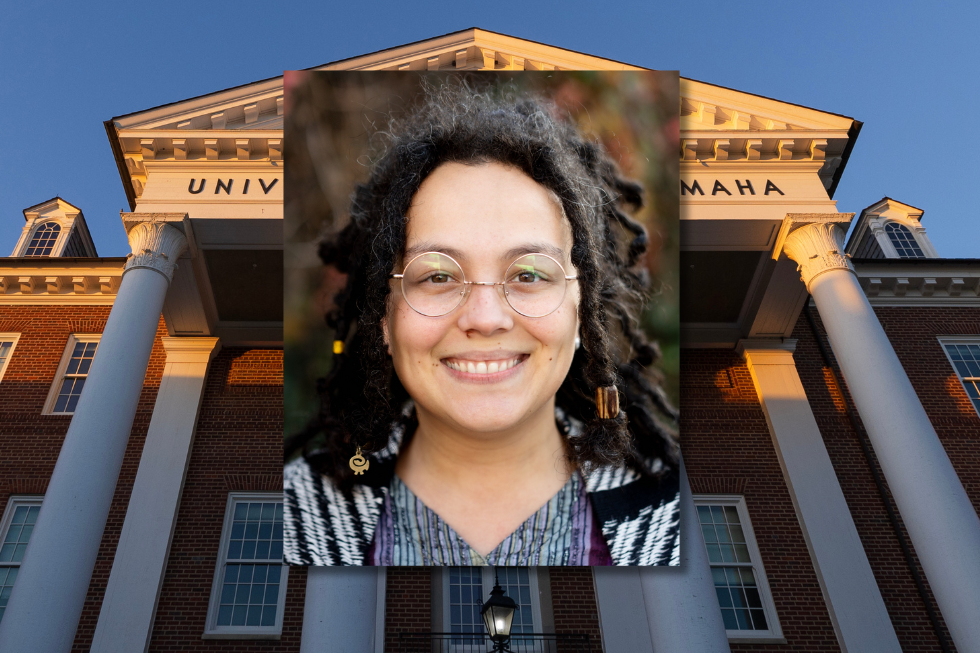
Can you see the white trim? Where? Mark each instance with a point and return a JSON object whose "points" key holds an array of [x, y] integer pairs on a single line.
{"points": [[379, 612], [774, 634], [943, 341], [59, 376], [212, 631], [8, 337], [13, 502]]}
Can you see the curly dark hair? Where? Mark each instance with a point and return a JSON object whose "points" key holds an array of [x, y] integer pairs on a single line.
{"points": [[466, 120]]}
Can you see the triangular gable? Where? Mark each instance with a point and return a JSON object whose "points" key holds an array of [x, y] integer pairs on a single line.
{"points": [[246, 121]]}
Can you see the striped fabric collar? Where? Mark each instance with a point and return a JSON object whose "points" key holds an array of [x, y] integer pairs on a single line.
{"points": [[411, 533]]}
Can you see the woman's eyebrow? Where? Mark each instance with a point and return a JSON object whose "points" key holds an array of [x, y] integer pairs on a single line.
{"points": [[507, 257], [429, 246], [535, 248]]}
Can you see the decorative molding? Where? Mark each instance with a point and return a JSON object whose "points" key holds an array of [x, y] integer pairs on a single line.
{"points": [[919, 284], [156, 245]]}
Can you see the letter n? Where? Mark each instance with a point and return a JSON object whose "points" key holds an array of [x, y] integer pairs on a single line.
{"points": [[685, 189], [223, 186]]}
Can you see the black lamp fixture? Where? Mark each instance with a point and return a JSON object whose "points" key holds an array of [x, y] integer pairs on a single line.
{"points": [[498, 615]]}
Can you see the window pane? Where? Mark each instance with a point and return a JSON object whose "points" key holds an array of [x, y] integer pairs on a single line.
{"points": [[250, 594], [735, 587], [731, 623]]}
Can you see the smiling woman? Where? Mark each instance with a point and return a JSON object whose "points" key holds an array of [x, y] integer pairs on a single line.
{"points": [[485, 325]]}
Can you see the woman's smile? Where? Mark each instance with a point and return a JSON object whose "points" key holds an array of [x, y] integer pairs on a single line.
{"points": [[490, 367]]}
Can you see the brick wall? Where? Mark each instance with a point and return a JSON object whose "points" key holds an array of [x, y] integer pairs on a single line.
{"points": [[237, 447], [574, 604], [408, 603], [727, 448], [912, 332]]}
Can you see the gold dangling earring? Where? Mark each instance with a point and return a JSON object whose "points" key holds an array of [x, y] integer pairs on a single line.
{"points": [[359, 463]]}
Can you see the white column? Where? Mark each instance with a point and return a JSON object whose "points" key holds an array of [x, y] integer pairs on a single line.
{"points": [[342, 609], [48, 597], [128, 609], [850, 591], [681, 604], [619, 597], [940, 519]]}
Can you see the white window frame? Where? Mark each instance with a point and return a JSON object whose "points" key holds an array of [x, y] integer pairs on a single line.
{"points": [[212, 631], [8, 337], [59, 241], [59, 376], [959, 340], [14, 502], [488, 580], [775, 633]]}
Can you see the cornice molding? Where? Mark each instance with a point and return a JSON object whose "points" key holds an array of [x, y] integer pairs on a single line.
{"points": [[920, 285], [56, 281]]}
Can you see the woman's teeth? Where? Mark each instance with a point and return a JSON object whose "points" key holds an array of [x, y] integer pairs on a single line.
{"points": [[483, 367]]}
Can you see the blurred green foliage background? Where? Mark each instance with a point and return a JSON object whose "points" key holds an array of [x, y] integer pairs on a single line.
{"points": [[333, 132]]}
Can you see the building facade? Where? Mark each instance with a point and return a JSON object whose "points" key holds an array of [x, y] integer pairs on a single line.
{"points": [[830, 409]]}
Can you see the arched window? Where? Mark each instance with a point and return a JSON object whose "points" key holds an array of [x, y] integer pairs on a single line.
{"points": [[903, 240], [44, 239]]}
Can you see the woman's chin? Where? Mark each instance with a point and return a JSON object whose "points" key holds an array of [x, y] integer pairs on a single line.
{"points": [[488, 421]]}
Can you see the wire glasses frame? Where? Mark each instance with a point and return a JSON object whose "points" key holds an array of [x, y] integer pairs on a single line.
{"points": [[437, 289]]}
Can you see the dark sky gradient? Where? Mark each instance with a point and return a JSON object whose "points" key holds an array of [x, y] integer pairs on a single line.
{"points": [[908, 74]]}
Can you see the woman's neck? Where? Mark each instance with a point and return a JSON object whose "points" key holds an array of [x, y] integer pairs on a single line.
{"points": [[485, 485]]}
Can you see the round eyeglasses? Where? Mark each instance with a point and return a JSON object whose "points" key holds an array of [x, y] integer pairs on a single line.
{"points": [[434, 285]]}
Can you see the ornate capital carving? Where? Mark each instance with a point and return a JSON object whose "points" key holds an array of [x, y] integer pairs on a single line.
{"points": [[816, 248], [156, 245]]}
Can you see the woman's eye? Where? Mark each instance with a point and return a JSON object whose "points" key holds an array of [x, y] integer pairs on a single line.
{"points": [[527, 277], [439, 278]]}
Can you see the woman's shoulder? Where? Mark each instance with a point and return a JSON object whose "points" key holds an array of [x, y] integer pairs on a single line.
{"points": [[326, 525], [638, 509]]}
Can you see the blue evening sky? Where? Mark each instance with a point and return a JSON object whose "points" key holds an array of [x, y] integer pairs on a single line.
{"points": [[908, 72]]}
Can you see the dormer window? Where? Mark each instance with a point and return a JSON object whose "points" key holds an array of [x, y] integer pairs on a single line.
{"points": [[903, 240], [43, 240]]}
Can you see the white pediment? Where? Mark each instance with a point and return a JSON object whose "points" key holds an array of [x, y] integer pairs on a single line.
{"points": [[244, 124]]}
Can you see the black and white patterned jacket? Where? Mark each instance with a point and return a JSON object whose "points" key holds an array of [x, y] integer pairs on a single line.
{"points": [[639, 512]]}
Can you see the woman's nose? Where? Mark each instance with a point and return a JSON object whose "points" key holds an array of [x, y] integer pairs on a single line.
{"points": [[485, 310]]}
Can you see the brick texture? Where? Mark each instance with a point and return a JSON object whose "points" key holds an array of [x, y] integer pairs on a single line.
{"points": [[574, 603], [237, 447], [408, 603], [727, 448]]}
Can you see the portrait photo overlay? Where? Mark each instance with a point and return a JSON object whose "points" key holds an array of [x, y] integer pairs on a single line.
{"points": [[481, 318]]}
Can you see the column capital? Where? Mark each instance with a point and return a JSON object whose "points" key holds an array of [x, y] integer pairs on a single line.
{"points": [[815, 241], [191, 350], [767, 352], [157, 241]]}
